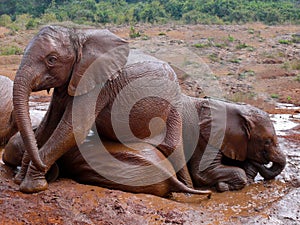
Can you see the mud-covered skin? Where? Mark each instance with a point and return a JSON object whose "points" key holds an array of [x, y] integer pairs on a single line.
{"points": [[249, 143], [135, 158], [8, 126], [77, 63], [227, 171]]}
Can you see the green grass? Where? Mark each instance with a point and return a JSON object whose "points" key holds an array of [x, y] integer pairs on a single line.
{"points": [[246, 74], [235, 60], [295, 38], [284, 42], [11, 50], [230, 38], [214, 57], [242, 46], [200, 45], [275, 96], [133, 33]]}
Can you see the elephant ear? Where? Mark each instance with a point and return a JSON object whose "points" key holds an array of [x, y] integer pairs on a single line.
{"points": [[237, 136], [100, 55]]}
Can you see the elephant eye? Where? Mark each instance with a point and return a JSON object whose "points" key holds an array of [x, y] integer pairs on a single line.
{"points": [[51, 60], [268, 142]]}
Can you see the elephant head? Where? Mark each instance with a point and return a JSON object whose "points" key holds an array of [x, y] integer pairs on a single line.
{"points": [[8, 127], [250, 135], [64, 57]]}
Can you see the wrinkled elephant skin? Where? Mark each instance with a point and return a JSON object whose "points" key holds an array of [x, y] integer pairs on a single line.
{"points": [[88, 68], [236, 141]]}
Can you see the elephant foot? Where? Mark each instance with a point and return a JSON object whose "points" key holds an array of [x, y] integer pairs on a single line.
{"points": [[34, 181], [20, 176], [222, 186]]}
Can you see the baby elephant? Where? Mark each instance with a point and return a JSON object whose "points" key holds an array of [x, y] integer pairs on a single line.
{"points": [[140, 168], [8, 125], [137, 168], [236, 141]]}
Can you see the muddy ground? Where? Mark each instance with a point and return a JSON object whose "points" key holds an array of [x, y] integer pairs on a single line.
{"points": [[253, 63]]}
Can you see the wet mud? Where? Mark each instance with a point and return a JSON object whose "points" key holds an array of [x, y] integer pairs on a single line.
{"points": [[259, 73], [67, 202]]}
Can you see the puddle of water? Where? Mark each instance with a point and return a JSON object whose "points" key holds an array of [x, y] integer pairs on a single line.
{"points": [[286, 106], [284, 122]]}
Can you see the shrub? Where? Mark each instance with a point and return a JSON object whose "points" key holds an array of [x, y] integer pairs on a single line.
{"points": [[133, 33], [11, 50], [5, 20], [274, 96], [22, 20], [284, 42], [48, 18], [32, 24]]}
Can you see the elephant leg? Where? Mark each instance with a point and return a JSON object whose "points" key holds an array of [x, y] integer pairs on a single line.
{"points": [[251, 171], [19, 177], [225, 178], [63, 138], [172, 147], [42, 134]]}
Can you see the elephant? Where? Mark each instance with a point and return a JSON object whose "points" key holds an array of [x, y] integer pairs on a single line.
{"points": [[236, 141], [248, 142], [89, 69], [8, 126], [126, 178]]}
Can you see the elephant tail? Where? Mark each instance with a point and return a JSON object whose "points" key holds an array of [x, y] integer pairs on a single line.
{"points": [[178, 186]]}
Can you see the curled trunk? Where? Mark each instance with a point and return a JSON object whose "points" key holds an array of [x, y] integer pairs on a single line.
{"points": [[21, 93], [273, 171]]}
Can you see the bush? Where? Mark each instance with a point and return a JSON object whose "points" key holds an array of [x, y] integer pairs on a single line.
{"points": [[22, 20], [32, 24], [5, 20], [11, 50], [48, 18], [133, 33], [189, 11]]}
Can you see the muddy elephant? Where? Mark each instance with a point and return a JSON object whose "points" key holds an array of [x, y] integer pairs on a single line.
{"points": [[8, 126], [88, 69], [236, 141], [137, 168]]}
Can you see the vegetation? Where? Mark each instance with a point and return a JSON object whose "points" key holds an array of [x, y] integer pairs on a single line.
{"points": [[152, 11], [11, 50]]}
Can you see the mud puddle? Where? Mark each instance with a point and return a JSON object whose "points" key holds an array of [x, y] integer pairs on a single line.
{"points": [[264, 202]]}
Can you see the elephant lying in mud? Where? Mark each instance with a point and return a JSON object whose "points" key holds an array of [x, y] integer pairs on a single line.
{"points": [[137, 168], [236, 141], [90, 70]]}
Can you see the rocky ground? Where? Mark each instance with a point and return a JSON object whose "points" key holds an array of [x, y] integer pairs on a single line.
{"points": [[252, 63]]}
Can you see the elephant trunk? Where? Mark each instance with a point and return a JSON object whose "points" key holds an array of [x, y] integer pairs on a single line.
{"points": [[21, 92], [276, 168]]}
